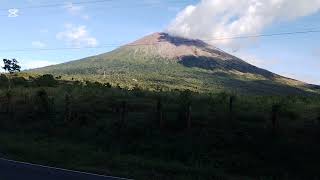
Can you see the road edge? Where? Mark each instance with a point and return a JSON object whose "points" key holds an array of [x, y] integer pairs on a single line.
{"points": [[61, 169]]}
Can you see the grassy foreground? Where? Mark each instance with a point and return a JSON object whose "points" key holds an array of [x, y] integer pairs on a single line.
{"points": [[156, 135]]}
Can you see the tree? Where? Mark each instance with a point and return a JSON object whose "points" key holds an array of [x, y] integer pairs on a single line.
{"points": [[11, 66]]}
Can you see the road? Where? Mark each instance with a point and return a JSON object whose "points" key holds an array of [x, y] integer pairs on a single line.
{"points": [[13, 170]]}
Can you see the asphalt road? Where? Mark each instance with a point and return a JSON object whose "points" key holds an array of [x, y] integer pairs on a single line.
{"points": [[13, 170]]}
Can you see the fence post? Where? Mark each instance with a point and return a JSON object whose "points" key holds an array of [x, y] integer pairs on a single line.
{"points": [[274, 117], [123, 111], [231, 110], [160, 114], [26, 98], [43, 101], [67, 111], [188, 115], [9, 102], [52, 104], [231, 100], [318, 116]]}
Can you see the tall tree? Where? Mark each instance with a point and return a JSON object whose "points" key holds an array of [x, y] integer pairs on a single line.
{"points": [[11, 66]]}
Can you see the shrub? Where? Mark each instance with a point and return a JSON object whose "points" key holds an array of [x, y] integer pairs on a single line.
{"points": [[46, 80], [108, 85], [4, 81], [19, 81], [94, 84]]}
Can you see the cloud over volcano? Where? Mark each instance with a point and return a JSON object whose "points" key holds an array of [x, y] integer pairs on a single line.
{"points": [[213, 19]]}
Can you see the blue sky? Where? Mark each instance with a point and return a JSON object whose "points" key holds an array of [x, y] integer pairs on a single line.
{"points": [[121, 21]]}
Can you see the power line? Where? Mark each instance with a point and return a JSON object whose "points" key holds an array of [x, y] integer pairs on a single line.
{"points": [[265, 35], [57, 5], [95, 10], [76, 3], [146, 44], [101, 8]]}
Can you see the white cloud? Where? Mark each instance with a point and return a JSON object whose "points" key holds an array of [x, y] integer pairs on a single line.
{"points": [[212, 19], [38, 44], [77, 36]]}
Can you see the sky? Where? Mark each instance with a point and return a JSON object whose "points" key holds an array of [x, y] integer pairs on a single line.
{"points": [[42, 32]]}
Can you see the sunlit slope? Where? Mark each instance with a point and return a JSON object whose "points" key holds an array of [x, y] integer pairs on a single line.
{"points": [[160, 60]]}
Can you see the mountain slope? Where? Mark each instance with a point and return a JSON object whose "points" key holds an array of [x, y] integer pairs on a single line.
{"points": [[177, 63]]}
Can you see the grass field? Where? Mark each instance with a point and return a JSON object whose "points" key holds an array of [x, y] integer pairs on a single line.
{"points": [[160, 134]]}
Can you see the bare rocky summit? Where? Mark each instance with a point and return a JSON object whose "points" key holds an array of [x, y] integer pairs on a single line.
{"points": [[172, 47]]}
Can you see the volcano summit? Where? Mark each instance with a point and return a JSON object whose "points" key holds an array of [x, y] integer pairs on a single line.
{"points": [[168, 62]]}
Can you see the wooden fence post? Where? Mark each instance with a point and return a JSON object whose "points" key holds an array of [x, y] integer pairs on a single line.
{"points": [[231, 110], [188, 115], [160, 114], [43, 101], [231, 100], [274, 117], [26, 98], [9, 102], [123, 112], [52, 104], [67, 111], [318, 116]]}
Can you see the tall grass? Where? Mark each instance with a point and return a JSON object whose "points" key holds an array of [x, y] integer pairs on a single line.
{"points": [[156, 135]]}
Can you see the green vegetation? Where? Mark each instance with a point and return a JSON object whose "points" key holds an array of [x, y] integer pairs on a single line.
{"points": [[12, 67], [173, 134], [131, 67]]}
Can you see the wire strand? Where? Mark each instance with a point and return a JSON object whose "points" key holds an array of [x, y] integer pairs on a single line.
{"points": [[147, 44], [80, 3]]}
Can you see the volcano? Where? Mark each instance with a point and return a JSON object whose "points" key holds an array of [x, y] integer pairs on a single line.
{"points": [[163, 61]]}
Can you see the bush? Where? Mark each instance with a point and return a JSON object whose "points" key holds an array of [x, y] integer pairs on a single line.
{"points": [[19, 81], [46, 80], [4, 81], [108, 85], [93, 84]]}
